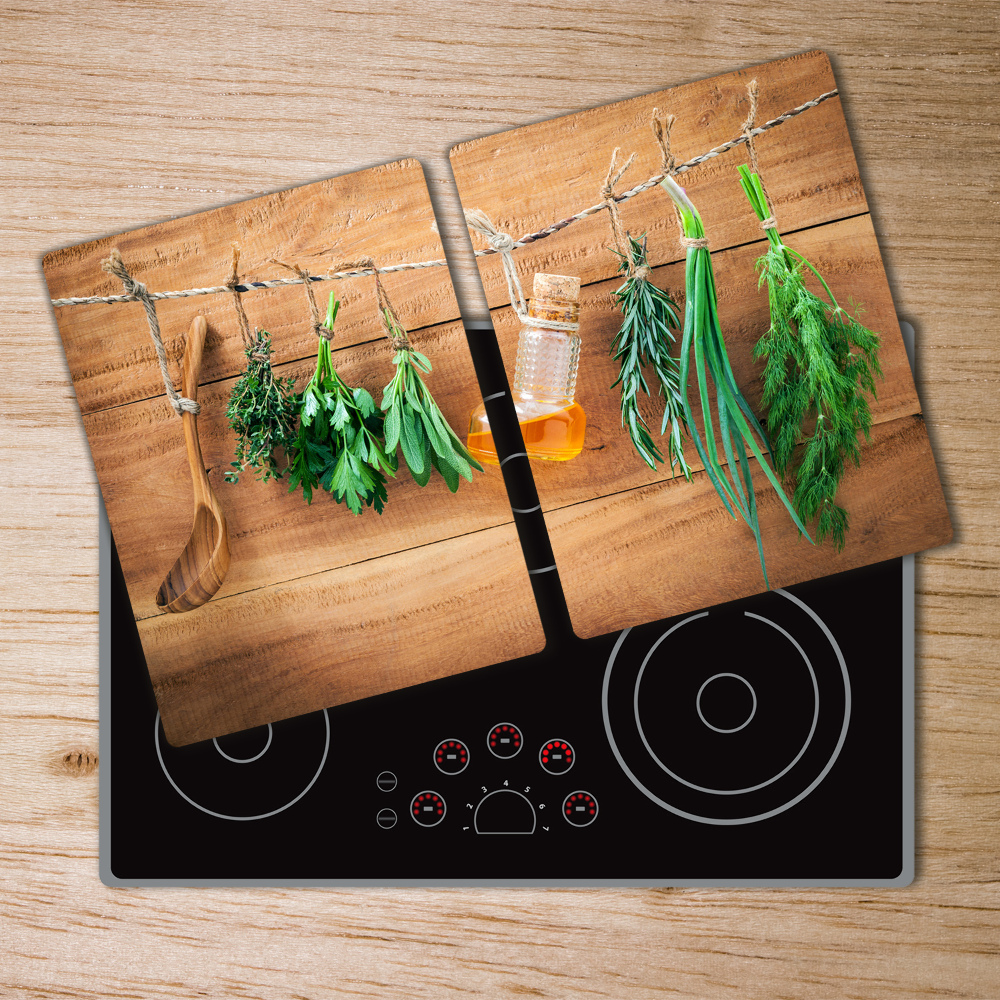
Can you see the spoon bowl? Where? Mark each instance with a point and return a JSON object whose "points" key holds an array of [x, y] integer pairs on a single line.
{"points": [[201, 568]]}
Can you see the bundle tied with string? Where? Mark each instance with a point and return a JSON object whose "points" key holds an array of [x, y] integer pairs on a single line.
{"points": [[261, 408], [413, 420], [705, 370], [821, 366], [339, 446], [649, 319]]}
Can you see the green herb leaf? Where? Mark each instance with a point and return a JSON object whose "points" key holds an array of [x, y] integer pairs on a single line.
{"points": [[821, 367], [262, 413], [649, 317], [414, 421]]}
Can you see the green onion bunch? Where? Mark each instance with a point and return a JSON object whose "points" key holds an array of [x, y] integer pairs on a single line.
{"points": [[704, 361]]}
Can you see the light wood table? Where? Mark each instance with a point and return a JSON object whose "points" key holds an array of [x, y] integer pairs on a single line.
{"points": [[117, 114]]}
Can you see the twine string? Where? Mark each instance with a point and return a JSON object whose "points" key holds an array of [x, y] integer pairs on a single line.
{"points": [[394, 330], [317, 322], [137, 290], [748, 134], [662, 126], [618, 233], [502, 243], [526, 240], [241, 315]]}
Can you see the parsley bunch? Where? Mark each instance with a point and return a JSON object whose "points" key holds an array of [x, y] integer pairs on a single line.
{"points": [[649, 317], [262, 412], [414, 422], [339, 442], [821, 363]]}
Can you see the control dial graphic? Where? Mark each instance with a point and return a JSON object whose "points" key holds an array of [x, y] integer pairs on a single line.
{"points": [[579, 808], [427, 808], [451, 756], [504, 811], [556, 756], [504, 740]]}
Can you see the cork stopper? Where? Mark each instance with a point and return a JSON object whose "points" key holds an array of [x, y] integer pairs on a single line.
{"points": [[556, 286]]}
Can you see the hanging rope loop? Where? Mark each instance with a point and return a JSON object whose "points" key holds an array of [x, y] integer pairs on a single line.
{"points": [[748, 133], [618, 233], [114, 264], [394, 330], [317, 322], [504, 244]]}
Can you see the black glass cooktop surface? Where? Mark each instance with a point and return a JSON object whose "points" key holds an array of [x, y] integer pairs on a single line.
{"points": [[764, 742], [635, 758]]}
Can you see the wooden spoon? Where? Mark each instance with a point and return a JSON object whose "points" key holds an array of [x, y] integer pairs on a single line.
{"points": [[202, 566]]}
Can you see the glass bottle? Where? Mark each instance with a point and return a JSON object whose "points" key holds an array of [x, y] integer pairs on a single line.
{"points": [[552, 423]]}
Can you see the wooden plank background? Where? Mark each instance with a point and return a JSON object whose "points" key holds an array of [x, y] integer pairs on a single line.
{"points": [[319, 607], [119, 114], [812, 178]]}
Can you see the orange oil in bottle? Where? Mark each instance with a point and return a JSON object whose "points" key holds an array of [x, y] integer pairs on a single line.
{"points": [[556, 436]]}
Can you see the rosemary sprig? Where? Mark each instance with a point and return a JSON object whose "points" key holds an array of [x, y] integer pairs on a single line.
{"points": [[261, 411], [339, 445], [821, 364], [414, 421], [649, 317], [704, 346]]}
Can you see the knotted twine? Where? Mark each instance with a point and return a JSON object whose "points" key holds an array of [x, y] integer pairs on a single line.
{"points": [[618, 232], [748, 128], [662, 126], [314, 314], [394, 330], [241, 315], [114, 264], [503, 243]]}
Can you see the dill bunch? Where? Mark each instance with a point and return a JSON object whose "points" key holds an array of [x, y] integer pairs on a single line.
{"points": [[339, 443], [414, 421], [703, 355], [261, 411], [821, 366], [649, 317]]}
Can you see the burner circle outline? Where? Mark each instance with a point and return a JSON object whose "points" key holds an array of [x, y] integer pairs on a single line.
{"points": [[736, 820], [241, 819], [247, 760], [749, 788], [742, 725]]}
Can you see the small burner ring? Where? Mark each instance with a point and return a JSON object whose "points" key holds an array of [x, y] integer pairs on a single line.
{"points": [[247, 760], [753, 709], [242, 819]]}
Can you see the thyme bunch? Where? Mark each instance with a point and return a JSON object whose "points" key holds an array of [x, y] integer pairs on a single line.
{"points": [[703, 354], [649, 319], [261, 411], [339, 442], [414, 421], [821, 364]]}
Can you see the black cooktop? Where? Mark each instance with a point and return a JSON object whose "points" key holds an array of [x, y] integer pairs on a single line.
{"points": [[784, 757], [627, 759]]}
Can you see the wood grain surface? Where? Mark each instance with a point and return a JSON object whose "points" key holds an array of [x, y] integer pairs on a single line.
{"points": [[817, 197], [120, 114], [257, 655]]}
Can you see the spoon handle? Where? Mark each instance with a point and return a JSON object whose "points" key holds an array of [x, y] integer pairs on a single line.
{"points": [[193, 348], [190, 370]]}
